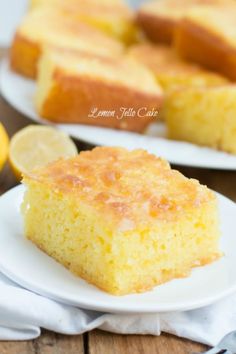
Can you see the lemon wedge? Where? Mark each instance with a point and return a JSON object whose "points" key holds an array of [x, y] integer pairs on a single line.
{"points": [[35, 146], [4, 143]]}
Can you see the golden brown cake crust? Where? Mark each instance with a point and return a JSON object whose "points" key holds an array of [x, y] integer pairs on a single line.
{"points": [[72, 100], [163, 59], [195, 43], [24, 56], [121, 183], [157, 28], [48, 27], [159, 19], [172, 72]]}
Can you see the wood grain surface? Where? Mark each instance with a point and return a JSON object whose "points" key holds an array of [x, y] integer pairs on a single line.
{"points": [[98, 342]]}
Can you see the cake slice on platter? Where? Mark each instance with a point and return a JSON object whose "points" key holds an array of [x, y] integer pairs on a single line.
{"points": [[77, 87], [114, 17], [49, 26], [159, 19], [203, 116], [171, 71], [122, 220], [208, 36]]}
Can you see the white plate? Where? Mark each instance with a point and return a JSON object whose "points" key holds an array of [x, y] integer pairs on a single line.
{"points": [[19, 92], [25, 264]]}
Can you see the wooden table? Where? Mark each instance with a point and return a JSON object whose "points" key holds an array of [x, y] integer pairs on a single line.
{"points": [[98, 342]]}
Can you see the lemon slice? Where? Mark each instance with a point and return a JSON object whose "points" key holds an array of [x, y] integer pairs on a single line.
{"points": [[4, 143], [36, 146]]}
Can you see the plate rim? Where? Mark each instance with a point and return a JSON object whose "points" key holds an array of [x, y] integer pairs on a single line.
{"points": [[103, 306]]}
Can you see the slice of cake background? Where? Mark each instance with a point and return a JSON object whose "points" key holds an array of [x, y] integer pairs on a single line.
{"points": [[50, 27], [71, 84], [160, 19], [114, 17], [207, 36], [170, 70]]}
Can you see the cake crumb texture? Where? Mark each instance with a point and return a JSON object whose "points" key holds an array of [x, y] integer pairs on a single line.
{"points": [[204, 116]]}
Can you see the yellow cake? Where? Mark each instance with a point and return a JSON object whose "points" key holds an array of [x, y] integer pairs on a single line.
{"points": [[171, 71], [83, 88], [37, 3], [124, 221], [205, 116], [208, 36], [48, 26], [114, 17], [159, 19]]}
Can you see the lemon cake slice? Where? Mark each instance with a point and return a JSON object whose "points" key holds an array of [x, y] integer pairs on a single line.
{"points": [[208, 36], [159, 19], [113, 17], [204, 116], [124, 221], [37, 3], [171, 71], [82, 88], [50, 26]]}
